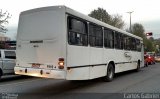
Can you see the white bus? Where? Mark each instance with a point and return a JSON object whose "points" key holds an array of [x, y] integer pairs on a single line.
{"points": [[58, 42]]}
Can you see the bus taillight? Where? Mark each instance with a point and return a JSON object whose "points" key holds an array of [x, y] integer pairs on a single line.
{"points": [[61, 63]]}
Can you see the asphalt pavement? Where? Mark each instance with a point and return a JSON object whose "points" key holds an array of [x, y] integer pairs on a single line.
{"points": [[128, 85]]}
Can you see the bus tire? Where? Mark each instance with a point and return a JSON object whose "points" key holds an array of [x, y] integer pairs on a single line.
{"points": [[147, 64], [138, 66], [1, 73], [110, 73]]}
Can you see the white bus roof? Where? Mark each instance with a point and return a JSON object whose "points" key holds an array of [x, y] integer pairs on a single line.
{"points": [[80, 15]]}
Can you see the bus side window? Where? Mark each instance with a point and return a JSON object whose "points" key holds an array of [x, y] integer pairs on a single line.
{"points": [[77, 32], [138, 47], [133, 46], [121, 41], [126, 42], [117, 40], [95, 35], [108, 38]]}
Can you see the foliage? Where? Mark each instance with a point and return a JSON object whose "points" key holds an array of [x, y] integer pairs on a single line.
{"points": [[116, 20], [138, 29], [149, 45], [4, 16], [102, 15], [157, 43]]}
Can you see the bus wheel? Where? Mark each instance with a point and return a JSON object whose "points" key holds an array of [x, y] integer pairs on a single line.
{"points": [[110, 73], [147, 64], [138, 66], [0, 73]]}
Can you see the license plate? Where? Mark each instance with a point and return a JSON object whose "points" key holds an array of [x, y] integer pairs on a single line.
{"points": [[35, 65]]}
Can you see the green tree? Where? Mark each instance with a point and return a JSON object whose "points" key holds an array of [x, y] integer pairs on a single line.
{"points": [[116, 20], [102, 15], [138, 29], [152, 39], [149, 45], [157, 44], [4, 16]]}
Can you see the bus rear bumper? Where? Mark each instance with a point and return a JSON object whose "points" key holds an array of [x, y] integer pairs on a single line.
{"points": [[44, 73]]}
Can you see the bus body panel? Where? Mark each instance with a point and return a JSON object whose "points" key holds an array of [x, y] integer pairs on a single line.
{"points": [[98, 71], [98, 67], [78, 73], [41, 39], [122, 62], [88, 62], [77, 56]]}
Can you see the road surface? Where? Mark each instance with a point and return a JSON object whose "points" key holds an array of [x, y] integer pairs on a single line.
{"points": [[144, 84]]}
